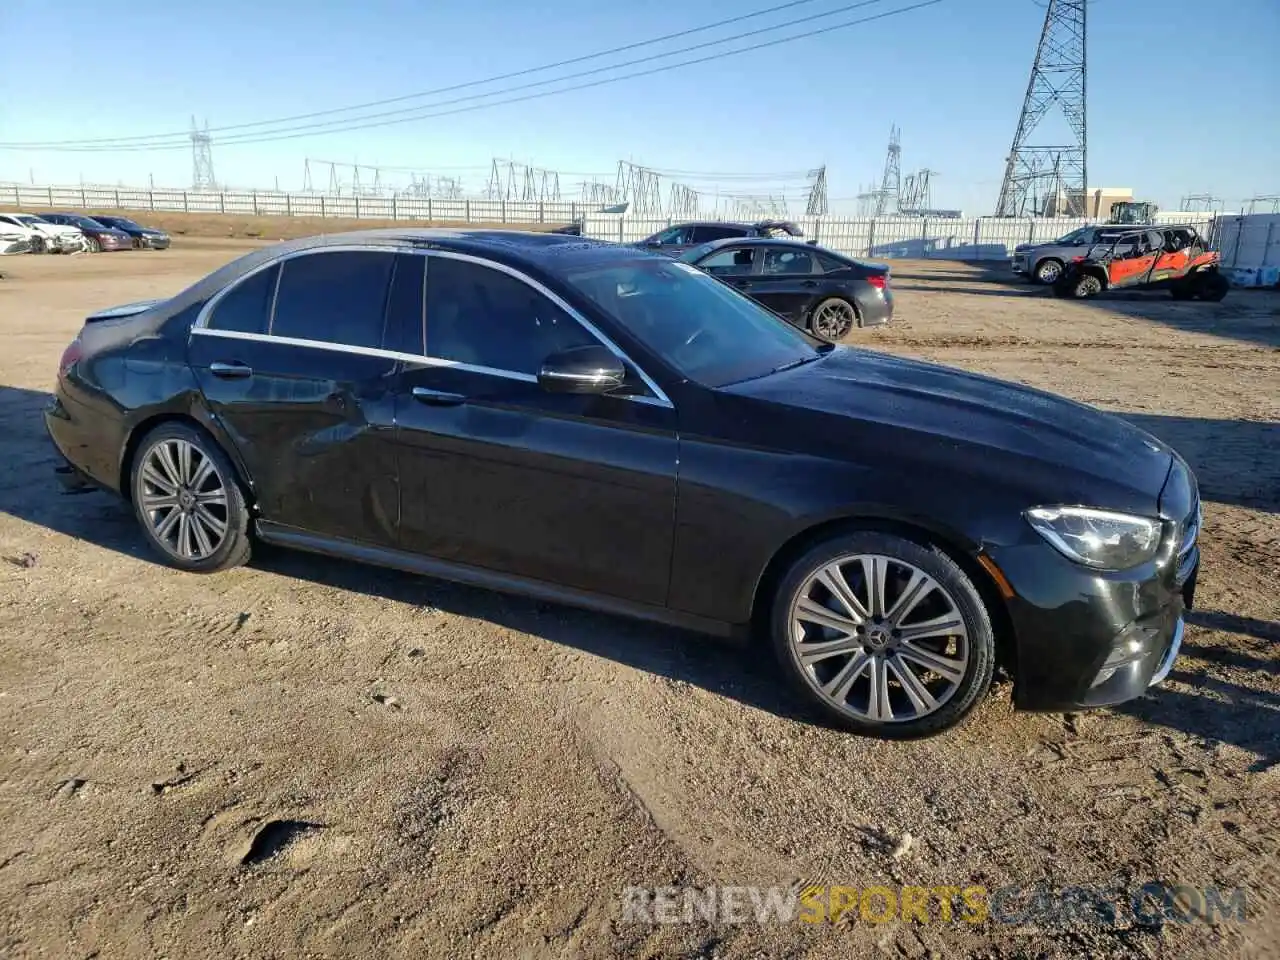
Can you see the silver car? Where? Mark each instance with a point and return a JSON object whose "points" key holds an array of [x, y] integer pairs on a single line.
{"points": [[1044, 262]]}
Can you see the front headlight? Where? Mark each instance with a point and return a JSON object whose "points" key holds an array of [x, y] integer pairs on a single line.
{"points": [[1097, 538]]}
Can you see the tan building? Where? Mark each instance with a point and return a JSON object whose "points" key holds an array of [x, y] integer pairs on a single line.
{"points": [[1098, 202]]}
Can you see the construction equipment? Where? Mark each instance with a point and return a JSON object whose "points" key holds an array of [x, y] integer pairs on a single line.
{"points": [[1133, 213]]}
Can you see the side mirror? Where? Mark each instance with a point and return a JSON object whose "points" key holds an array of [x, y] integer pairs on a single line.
{"points": [[589, 369]]}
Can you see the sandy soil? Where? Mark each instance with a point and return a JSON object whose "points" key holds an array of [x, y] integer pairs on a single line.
{"points": [[308, 758]]}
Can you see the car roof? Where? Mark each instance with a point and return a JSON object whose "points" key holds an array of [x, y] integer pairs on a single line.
{"points": [[763, 242]]}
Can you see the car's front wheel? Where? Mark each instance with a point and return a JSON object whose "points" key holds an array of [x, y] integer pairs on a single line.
{"points": [[885, 636], [1048, 271], [91, 245], [188, 500]]}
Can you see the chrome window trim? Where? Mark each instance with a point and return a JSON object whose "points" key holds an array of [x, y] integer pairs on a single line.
{"points": [[411, 358], [201, 327], [591, 328]]}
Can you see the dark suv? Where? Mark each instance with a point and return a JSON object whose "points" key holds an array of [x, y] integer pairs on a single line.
{"points": [[676, 239]]}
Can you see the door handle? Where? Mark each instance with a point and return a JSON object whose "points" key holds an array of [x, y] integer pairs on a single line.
{"points": [[809, 283], [230, 371], [744, 283], [437, 398]]}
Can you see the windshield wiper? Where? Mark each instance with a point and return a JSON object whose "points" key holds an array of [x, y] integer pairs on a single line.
{"points": [[799, 361]]}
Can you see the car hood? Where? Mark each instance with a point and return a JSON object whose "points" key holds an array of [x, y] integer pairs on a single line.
{"points": [[56, 229], [1028, 247], [925, 413]]}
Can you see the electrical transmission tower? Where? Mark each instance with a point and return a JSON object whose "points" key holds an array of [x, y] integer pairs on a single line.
{"points": [[202, 158], [683, 202], [639, 187], [916, 199], [1200, 203], [1057, 79], [816, 206], [509, 180], [891, 183]]}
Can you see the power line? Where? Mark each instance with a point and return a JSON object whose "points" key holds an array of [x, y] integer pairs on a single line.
{"points": [[359, 123], [439, 90]]}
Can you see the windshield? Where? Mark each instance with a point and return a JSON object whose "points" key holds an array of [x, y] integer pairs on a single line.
{"points": [[27, 218], [1082, 235], [120, 222], [84, 222], [709, 332]]}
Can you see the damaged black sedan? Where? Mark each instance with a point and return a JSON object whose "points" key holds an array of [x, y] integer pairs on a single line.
{"points": [[597, 425]]}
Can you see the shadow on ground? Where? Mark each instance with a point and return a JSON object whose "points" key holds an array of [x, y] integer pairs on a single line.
{"points": [[28, 491], [1235, 461]]}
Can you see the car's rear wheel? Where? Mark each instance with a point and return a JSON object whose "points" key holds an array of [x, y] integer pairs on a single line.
{"points": [[1048, 271], [832, 319], [1211, 285], [188, 500], [885, 636]]}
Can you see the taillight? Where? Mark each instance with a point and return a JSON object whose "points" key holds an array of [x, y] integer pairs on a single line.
{"points": [[878, 280], [74, 351]]}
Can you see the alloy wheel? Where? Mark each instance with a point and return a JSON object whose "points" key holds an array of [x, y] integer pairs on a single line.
{"points": [[878, 638], [833, 319], [183, 498], [1049, 271]]}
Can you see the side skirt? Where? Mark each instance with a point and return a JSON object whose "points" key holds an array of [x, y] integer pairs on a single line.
{"points": [[286, 536]]}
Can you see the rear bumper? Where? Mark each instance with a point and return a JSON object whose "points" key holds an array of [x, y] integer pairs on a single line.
{"points": [[85, 453], [875, 308]]}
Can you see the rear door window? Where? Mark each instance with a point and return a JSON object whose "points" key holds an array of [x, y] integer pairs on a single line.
{"points": [[708, 232], [788, 260], [245, 308], [337, 296]]}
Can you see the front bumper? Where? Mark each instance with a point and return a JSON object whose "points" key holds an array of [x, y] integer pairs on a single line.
{"points": [[1086, 638], [1018, 263], [150, 242]]}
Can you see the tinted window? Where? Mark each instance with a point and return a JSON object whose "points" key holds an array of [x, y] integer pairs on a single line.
{"points": [[705, 234], [336, 297], [672, 235], [709, 332], [245, 306], [487, 318], [788, 260], [830, 264], [731, 261]]}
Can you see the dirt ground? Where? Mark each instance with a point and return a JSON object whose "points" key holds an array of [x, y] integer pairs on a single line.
{"points": [[309, 758]]}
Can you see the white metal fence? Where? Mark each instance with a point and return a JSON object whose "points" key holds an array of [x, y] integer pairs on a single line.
{"points": [[981, 238]]}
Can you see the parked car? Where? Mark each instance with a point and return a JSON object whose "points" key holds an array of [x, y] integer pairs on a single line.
{"points": [[593, 424], [1172, 258], [98, 236], [53, 237], [1044, 262], [148, 238], [676, 239], [817, 290], [14, 240]]}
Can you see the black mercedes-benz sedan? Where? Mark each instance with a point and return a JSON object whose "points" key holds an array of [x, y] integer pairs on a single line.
{"points": [[819, 290], [598, 425]]}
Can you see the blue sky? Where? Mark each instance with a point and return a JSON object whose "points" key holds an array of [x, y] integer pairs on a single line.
{"points": [[952, 76]]}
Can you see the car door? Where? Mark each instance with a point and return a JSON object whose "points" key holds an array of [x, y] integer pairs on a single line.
{"points": [[1173, 259], [1136, 265], [293, 364], [576, 490], [790, 280], [735, 264]]}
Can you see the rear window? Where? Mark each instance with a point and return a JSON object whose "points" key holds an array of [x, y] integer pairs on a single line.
{"points": [[244, 308]]}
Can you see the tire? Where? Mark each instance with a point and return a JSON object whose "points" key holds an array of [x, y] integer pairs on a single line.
{"points": [[1084, 286], [1182, 290], [832, 319], [1212, 286], [1048, 271], [160, 466], [874, 647], [91, 245]]}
